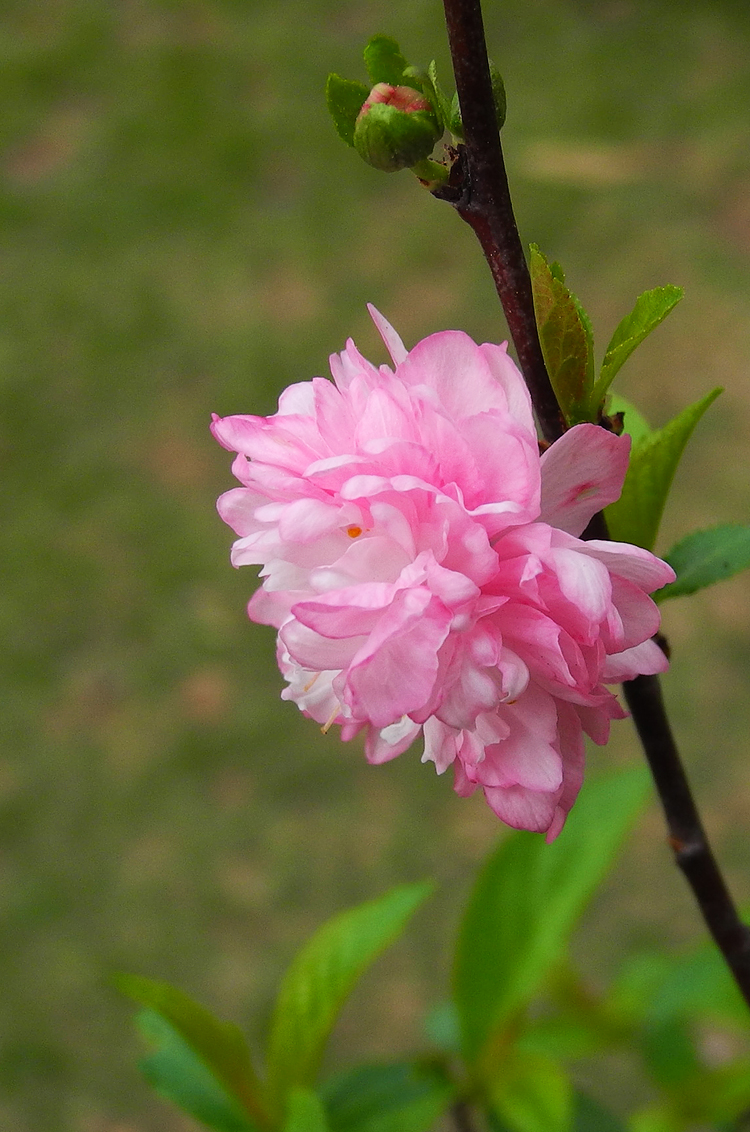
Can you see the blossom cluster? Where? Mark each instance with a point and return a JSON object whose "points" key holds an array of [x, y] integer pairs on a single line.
{"points": [[422, 564]]}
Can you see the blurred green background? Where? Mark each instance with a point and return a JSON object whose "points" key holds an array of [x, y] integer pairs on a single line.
{"points": [[182, 232]]}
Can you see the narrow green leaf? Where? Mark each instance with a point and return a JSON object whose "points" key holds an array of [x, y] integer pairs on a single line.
{"points": [[345, 100], [384, 61], [220, 1046], [636, 515], [706, 557], [320, 979], [634, 424], [651, 308], [397, 1097], [176, 1072], [566, 338], [305, 1113], [532, 1094], [527, 900], [437, 97]]}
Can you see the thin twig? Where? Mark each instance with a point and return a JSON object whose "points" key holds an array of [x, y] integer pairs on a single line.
{"points": [[483, 201], [687, 836], [478, 190], [461, 1116]]}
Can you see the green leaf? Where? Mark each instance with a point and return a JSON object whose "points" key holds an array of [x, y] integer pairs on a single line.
{"points": [[527, 900], [532, 1094], [437, 97], [589, 1116], [442, 1027], [634, 424], [305, 1113], [179, 1075], [345, 99], [565, 1035], [698, 983], [321, 977], [706, 557], [565, 336], [398, 1097], [669, 1052], [636, 515], [220, 1046], [651, 308], [384, 61]]}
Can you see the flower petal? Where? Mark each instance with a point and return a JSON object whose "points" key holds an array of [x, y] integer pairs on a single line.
{"points": [[582, 473]]}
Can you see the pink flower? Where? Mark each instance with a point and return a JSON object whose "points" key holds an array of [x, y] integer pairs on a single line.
{"points": [[422, 566]]}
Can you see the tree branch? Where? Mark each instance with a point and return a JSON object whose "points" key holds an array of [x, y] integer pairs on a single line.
{"points": [[478, 190], [687, 836]]}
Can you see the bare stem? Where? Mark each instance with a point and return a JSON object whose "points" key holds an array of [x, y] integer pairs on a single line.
{"points": [[478, 190], [461, 1117], [687, 836]]}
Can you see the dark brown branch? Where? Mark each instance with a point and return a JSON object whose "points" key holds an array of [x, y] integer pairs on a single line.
{"points": [[478, 190], [461, 1117], [687, 836]]}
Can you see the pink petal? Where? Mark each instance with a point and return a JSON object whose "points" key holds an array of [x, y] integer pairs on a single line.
{"points": [[394, 671], [393, 343], [582, 472], [639, 566], [389, 742], [645, 659], [522, 809], [455, 368], [506, 373]]}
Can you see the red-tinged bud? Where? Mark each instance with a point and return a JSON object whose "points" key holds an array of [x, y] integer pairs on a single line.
{"points": [[400, 97], [396, 128]]}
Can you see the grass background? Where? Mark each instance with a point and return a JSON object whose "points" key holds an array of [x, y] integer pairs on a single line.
{"points": [[182, 232]]}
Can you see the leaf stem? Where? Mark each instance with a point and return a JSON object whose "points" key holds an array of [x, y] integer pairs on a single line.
{"points": [[478, 190]]}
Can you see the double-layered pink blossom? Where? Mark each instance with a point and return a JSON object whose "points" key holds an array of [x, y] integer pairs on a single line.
{"points": [[422, 565]]}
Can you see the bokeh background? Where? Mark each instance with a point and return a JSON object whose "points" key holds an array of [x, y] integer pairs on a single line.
{"points": [[182, 232]]}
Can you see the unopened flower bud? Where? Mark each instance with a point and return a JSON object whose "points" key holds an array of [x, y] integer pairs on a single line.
{"points": [[396, 128]]}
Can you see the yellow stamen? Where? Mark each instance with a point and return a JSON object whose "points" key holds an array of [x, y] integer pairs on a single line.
{"points": [[354, 531], [329, 724], [310, 683]]}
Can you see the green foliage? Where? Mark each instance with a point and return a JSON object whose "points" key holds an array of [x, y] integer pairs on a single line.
{"points": [[321, 977], [669, 1052], [566, 338], [531, 1094], [525, 903], [345, 100], [305, 1113], [589, 1116], [176, 1072], [397, 1097], [433, 90], [651, 308], [200, 1060], [636, 515], [706, 557], [384, 61]]}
